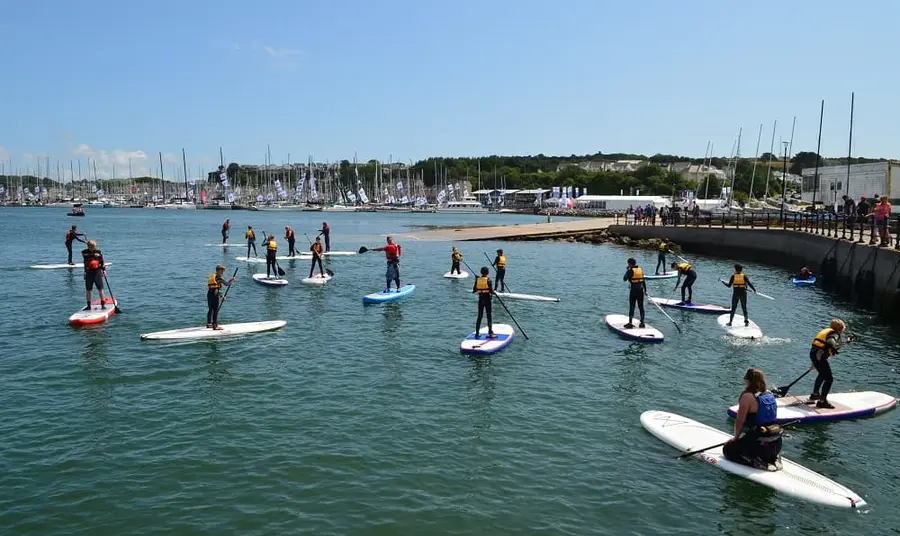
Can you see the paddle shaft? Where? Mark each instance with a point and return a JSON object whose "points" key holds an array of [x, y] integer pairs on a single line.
{"points": [[495, 273], [105, 280], [782, 391], [661, 310], [219, 308], [689, 454], [501, 302], [327, 270]]}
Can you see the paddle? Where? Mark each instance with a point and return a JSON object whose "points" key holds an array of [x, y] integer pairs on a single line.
{"points": [[219, 308], [689, 454], [782, 391], [661, 310], [495, 272], [760, 294], [111, 292], [501, 303], [327, 270], [362, 249]]}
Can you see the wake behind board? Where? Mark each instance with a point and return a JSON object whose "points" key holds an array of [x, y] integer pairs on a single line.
{"points": [[664, 275], [482, 345], [793, 479], [846, 406], [96, 315], [698, 307], [461, 275], [56, 266], [270, 281], [646, 334], [229, 330], [738, 329], [805, 282], [389, 295], [316, 279], [530, 297]]}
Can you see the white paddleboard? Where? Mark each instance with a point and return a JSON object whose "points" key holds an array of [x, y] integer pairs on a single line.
{"points": [[229, 330], [316, 279], [483, 345], [647, 333], [226, 245], [664, 275], [56, 266], [462, 275], [262, 260], [688, 435], [531, 297], [338, 253], [96, 315], [738, 329], [846, 406], [273, 281], [698, 307]]}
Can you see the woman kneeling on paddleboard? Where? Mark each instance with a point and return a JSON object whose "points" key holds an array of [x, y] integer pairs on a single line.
{"points": [[757, 436]]}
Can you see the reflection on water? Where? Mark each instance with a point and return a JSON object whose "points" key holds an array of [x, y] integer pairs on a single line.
{"points": [[393, 317], [272, 303], [747, 504], [814, 442], [482, 382], [633, 369]]}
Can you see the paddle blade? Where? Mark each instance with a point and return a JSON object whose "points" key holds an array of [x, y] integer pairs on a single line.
{"points": [[330, 273], [781, 391], [280, 271], [363, 249]]}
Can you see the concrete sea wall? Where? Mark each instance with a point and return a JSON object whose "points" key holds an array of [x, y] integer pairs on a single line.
{"points": [[867, 275]]}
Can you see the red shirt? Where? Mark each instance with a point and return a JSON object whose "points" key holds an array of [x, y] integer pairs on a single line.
{"points": [[391, 252]]}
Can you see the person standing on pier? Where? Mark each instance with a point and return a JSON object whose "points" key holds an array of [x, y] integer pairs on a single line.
{"points": [[826, 344], [637, 290], [882, 214], [316, 248], [455, 258], [739, 283], [225, 228], [485, 292], [251, 240], [862, 214], [500, 265], [661, 256], [71, 236], [686, 270], [289, 236], [326, 232], [392, 253]]}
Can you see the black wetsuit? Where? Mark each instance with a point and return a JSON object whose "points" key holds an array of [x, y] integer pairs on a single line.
{"points": [[739, 295], [485, 304], [71, 237], [635, 294]]}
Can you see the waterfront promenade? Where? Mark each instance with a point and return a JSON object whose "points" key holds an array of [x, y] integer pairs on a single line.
{"points": [[528, 231]]}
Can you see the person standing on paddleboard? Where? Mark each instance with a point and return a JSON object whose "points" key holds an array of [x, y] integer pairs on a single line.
{"points": [[392, 253], [226, 227], [316, 248], [94, 270], [757, 437], [500, 264], [686, 270], [739, 283], [326, 232], [455, 258], [661, 256], [289, 236], [827, 343], [637, 290], [71, 236], [271, 251], [214, 284], [251, 240], [485, 291]]}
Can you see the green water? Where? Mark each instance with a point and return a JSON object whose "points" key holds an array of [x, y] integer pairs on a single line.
{"points": [[362, 419]]}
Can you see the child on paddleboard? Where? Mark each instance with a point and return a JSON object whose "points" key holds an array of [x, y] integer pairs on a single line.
{"points": [[485, 289], [826, 344], [214, 283], [637, 290], [500, 264], [455, 257], [685, 269], [739, 283], [251, 240]]}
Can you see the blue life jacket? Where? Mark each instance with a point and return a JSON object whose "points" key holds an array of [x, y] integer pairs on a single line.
{"points": [[767, 413]]}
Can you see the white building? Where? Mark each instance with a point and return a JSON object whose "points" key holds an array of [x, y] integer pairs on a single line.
{"points": [[866, 180], [616, 203]]}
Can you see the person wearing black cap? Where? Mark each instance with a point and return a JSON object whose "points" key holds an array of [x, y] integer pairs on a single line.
{"points": [[862, 213]]}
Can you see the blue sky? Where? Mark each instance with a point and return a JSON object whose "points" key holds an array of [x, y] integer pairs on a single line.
{"points": [[118, 80]]}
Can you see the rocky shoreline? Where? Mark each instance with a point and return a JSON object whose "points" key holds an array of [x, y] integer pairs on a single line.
{"points": [[605, 237]]}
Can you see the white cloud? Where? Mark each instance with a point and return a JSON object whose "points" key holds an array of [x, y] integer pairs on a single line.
{"points": [[281, 58]]}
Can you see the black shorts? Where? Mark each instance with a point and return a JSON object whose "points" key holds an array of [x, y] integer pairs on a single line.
{"points": [[93, 278]]}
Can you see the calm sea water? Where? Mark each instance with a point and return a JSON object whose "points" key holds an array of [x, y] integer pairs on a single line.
{"points": [[360, 419]]}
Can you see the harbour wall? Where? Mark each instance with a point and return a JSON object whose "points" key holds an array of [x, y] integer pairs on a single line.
{"points": [[866, 275]]}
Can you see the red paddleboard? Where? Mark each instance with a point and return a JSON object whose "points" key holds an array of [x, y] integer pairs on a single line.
{"points": [[96, 315]]}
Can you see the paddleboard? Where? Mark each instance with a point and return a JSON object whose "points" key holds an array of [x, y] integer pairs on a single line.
{"points": [[738, 329], [316, 279], [664, 275], [645, 334], [55, 266], [338, 253], [226, 245], [273, 281], [531, 297], [846, 406], [461, 275], [482, 345], [96, 315], [699, 307], [263, 259], [230, 330], [793, 479], [805, 282], [391, 295]]}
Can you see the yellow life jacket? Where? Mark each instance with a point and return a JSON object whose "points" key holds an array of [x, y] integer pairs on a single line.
{"points": [[481, 285], [271, 245], [683, 267], [738, 281], [637, 275], [501, 261], [250, 235], [213, 282], [662, 246], [821, 338], [456, 256]]}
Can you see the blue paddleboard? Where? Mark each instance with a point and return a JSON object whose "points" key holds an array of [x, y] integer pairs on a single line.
{"points": [[482, 345], [389, 295], [805, 282]]}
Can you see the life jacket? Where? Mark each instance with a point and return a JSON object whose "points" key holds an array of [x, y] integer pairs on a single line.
{"points": [[637, 275], [289, 234], [212, 282], [392, 252], [91, 259], [662, 247], [316, 247], [271, 245], [821, 340], [501, 261], [226, 226], [738, 281], [482, 285], [456, 256], [70, 235], [767, 413], [250, 235], [683, 267]]}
